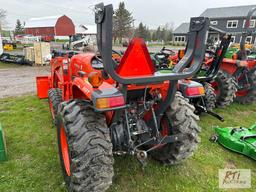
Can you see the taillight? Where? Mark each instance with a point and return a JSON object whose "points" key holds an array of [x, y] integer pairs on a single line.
{"points": [[195, 91], [111, 102]]}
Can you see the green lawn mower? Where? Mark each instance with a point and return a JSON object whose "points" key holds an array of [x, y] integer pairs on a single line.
{"points": [[239, 139]]}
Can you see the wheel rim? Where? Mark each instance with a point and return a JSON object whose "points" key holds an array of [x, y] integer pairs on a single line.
{"points": [[51, 109], [165, 130], [242, 93], [164, 127], [215, 85], [64, 150]]}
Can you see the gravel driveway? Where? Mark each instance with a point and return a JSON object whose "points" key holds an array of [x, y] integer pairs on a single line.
{"points": [[21, 80]]}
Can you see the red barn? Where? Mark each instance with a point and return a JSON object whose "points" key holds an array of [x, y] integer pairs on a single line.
{"points": [[50, 26]]}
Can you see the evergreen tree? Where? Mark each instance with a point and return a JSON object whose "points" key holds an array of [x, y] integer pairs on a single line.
{"points": [[19, 28], [158, 34], [123, 23], [143, 32]]}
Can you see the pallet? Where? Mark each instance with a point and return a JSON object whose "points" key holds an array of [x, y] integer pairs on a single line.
{"points": [[41, 64]]}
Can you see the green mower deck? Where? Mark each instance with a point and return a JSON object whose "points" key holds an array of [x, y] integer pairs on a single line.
{"points": [[3, 153], [241, 140]]}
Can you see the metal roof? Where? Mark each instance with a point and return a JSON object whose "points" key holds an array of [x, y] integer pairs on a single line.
{"points": [[183, 28], [86, 29], [42, 21], [225, 12]]}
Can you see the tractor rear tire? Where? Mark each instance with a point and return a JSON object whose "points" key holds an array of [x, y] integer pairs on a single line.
{"points": [[180, 119], [54, 99], [225, 89], [249, 96], [88, 163], [210, 97]]}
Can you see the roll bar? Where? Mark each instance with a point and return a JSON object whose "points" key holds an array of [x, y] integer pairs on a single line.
{"points": [[246, 33], [194, 55], [217, 59]]}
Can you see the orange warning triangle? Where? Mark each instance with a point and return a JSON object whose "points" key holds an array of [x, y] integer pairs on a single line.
{"points": [[136, 60]]}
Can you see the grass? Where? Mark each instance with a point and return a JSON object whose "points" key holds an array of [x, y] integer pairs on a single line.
{"points": [[33, 163], [8, 65]]}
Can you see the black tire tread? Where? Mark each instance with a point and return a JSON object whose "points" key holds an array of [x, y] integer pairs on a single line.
{"points": [[90, 147], [210, 97], [55, 97], [227, 89], [183, 121], [251, 96]]}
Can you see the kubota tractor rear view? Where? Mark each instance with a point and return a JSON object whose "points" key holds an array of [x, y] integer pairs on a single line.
{"points": [[103, 108]]}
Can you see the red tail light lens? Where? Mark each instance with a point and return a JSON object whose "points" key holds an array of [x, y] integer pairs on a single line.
{"points": [[112, 102], [195, 91]]}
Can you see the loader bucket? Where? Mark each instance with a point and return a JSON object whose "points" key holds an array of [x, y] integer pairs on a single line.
{"points": [[42, 84]]}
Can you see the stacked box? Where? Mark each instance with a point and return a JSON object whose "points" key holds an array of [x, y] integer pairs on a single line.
{"points": [[42, 50], [29, 54]]}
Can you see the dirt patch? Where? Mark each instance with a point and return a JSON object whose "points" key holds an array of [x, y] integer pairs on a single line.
{"points": [[230, 164], [20, 81]]}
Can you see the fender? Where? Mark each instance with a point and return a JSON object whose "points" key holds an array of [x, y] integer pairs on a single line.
{"points": [[191, 89], [81, 88], [229, 65], [57, 71]]}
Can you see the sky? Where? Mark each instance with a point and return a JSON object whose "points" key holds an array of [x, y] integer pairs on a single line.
{"points": [[152, 13]]}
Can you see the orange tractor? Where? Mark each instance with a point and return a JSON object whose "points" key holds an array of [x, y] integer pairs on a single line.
{"points": [[102, 107], [242, 69]]}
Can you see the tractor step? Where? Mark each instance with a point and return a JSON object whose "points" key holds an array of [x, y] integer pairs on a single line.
{"points": [[3, 150]]}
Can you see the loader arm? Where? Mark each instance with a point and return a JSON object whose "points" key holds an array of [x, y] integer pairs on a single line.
{"points": [[246, 33]]}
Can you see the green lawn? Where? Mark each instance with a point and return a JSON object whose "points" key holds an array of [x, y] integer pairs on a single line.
{"points": [[34, 165], [8, 65]]}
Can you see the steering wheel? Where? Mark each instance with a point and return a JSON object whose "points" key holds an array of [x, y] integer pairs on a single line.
{"points": [[167, 51], [162, 60], [116, 52]]}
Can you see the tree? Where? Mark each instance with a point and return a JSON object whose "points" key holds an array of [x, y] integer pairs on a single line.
{"points": [[123, 23], [158, 34], [143, 32], [2, 18], [19, 28], [163, 33], [168, 31]]}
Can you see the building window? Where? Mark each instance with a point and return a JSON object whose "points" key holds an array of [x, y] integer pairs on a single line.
{"points": [[252, 23], [232, 23], [233, 39], [214, 22], [180, 38], [248, 39]]}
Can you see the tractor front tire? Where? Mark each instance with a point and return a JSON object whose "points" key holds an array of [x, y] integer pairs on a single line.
{"points": [[210, 97], [54, 99], [225, 89], [179, 119], [248, 96], [85, 148]]}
